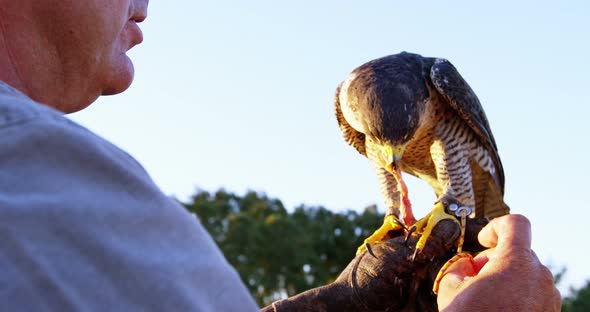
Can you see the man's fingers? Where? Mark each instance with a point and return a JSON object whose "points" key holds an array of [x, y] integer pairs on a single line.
{"points": [[481, 259], [457, 274], [451, 282], [507, 232]]}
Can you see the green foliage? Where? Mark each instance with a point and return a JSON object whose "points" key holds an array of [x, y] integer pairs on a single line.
{"points": [[578, 301], [277, 252]]}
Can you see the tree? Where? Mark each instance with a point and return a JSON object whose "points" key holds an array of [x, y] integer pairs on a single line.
{"points": [[278, 253], [578, 300]]}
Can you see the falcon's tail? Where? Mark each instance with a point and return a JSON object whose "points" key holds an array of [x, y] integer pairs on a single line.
{"points": [[489, 198], [494, 205]]}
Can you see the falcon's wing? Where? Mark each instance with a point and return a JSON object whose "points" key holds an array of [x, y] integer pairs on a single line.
{"points": [[354, 138], [459, 95]]}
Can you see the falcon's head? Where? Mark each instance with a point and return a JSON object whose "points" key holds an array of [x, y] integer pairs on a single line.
{"points": [[384, 99]]}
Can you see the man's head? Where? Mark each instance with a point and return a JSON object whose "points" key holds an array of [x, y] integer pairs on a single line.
{"points": [[66, 53]]}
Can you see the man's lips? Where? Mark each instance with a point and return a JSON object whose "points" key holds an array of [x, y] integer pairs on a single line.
{"points": [[135, 34]]}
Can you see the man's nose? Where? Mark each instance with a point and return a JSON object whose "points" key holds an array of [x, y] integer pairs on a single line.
{"points": [[139, 10]]}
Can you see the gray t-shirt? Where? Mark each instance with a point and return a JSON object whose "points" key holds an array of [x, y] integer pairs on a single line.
{"points": [[84, 228]]}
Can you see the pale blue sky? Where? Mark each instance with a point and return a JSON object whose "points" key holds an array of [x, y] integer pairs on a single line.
{"points": [[239, 94]]}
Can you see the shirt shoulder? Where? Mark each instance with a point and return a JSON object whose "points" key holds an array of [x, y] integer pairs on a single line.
{"points": [[16, 108], [84, 227], [24, 118]]}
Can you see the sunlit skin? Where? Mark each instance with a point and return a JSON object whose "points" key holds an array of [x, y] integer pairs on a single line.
{"points": [[67, 53]]}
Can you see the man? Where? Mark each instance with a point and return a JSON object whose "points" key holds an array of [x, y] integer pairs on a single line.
{"points": [[82, 226]]}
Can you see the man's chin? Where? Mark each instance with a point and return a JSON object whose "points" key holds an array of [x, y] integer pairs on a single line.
{"points": [[120, 79], [116, 90]]}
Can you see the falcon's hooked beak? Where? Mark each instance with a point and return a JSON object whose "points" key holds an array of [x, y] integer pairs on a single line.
{"points": [[393, 156]]}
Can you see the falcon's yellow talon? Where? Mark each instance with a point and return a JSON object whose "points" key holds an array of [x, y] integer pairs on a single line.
{"points": [[391, 223], [445, 268], [426, 224]]}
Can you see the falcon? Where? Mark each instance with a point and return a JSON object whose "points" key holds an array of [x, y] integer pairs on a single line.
{"points": [[414, 114]]}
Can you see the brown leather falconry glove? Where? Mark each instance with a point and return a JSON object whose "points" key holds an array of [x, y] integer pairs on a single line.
{"points": [[390, 280]]}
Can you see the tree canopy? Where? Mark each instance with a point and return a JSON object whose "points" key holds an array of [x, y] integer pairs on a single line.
{"points": [[277, 252], [578, 300]]}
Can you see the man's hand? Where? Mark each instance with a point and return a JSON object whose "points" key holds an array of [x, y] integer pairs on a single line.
{"points": [[506, 277]]}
